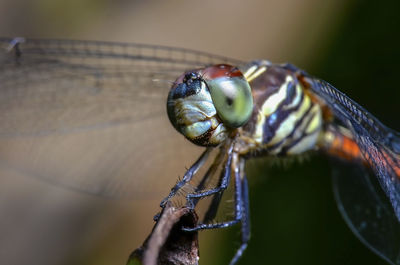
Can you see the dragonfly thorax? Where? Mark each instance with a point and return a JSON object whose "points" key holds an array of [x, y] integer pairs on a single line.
{"points": [[285, 120]]}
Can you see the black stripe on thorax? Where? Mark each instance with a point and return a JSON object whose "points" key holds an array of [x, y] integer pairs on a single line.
{"points": [[273, 122], [263, 87], [296, 127]]}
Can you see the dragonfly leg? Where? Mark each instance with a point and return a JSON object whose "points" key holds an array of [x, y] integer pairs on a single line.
{"points": [[213, 207], [242, 213], [245, 218], [192, 198], [187, 177], [209, 173]]}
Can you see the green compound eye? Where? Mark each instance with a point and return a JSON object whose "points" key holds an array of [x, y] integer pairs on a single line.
{"points": [[232, 99]]}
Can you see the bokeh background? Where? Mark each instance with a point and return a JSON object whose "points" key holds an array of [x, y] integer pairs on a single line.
{"points": [[351, 44]]}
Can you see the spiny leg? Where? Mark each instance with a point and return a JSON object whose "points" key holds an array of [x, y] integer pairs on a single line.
{"points": [[192, 198], [224, 183], [242, 213], [187, 177], [213, 207], [216, 200], [245, 214], [210, 173]]}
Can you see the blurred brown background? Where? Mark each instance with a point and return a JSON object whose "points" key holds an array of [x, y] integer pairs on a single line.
{"points": [[352, 44]]}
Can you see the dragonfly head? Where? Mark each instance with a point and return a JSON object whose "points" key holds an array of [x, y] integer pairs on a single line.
{"points": [[205, 105]]}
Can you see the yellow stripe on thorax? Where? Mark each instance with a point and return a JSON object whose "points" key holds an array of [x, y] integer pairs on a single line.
{"points": [[269, 107]]}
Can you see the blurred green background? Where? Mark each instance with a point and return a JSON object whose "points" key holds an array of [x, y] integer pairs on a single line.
{"points": [[351, 44]]}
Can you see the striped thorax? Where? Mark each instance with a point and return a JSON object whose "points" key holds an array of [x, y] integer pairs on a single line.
{"points": [[285, 120]]}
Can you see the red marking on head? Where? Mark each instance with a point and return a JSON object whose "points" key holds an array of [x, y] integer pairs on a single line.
{"points": [[220, 70]]}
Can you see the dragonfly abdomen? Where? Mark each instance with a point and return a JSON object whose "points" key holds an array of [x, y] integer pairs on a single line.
{"points": [[337, 141]]}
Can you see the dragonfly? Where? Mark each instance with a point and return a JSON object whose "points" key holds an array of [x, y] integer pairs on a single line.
{"points": [[68, 106]]}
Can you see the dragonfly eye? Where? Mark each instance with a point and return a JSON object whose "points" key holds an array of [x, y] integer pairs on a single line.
{"points": [[231, 94]]}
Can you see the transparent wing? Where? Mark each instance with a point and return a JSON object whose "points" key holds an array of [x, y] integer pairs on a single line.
{"points": [[371, 216], [92, 115], [367, 210], [379, 144]]}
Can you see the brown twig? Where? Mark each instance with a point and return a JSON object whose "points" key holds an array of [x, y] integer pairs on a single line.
{"points": [[168, 243]]}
